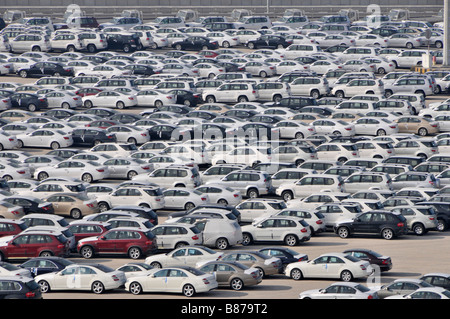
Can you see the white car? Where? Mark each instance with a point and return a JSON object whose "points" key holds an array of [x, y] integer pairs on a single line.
{"points": [[87, 171], [172, 236], [330, 266], [129, 134], [358, 86], [187, 256], [231, 92], [224, 39], [340, 290], [220, 194], [184, 199], [333, 127], [308, 184], [96, 278], [45, 138], [7, 269], [425, 293], [291, 129], [375, 126], [151, 197], [248, 155], [112, 99], [65, 100], [187, 281], [290, 230], [209, 70], [154, 98]]}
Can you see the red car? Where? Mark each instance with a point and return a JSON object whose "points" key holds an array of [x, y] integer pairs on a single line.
{"points": [[9, 227], [133, 242], [35, 244], [82, 228]]}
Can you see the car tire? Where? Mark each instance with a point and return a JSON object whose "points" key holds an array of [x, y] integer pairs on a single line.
{"points": [[387, 234], [343, 232], [381, 132], [126, 48], [291, 240], [88, 104], [188, 290], [75, 213], [422, 131], [86, 177], [251, 45], [442, 225], [252, 193], [135, 288], [120, 105], [263, 74], [222, 243], [132, 140], [236, 284], [131, 174], [91, 48], [346, 276], [45, 286], [296, 274], [340, 94], [287, 195], [188, 206], [19, 143], [242, 99], [23, 74], [419, 229], [134, 253], [87, 252], [65, 105], [409, 45], [45, 253], [42, 175], [158, 104], [222, 202], [438, 44], [54, 145], [225, 44], [381, 71], [246, 239], [31, 107], [315, 94], [71, 48], [98, 287], [103, 206], [36, 49], [210, 99]]}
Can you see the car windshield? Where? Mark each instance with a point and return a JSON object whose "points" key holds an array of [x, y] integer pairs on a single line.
{"points": [[103, 268]]}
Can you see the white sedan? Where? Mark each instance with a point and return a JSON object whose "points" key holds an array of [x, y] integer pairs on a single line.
{"points": [[340, 290], [209, 70], [129, 134], [331, 265], [224, 39], [183, 256], [7, 269], [334, 127], [8, 141], [187, 281], [113, 99], [65, 100], [87, 171], [184, 199], [294, 129], [375, 126], [45, 138], [154, 98], [220, 194], [96, 278]]}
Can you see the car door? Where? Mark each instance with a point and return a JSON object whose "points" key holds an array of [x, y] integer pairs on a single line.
{"points": [[264, 231], [107, 242], [67, 278], [365, 223]]}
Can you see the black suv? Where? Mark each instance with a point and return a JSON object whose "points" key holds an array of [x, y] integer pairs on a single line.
{"points": [[295, 102], [124, 42], [18, 287], [387, 224]]}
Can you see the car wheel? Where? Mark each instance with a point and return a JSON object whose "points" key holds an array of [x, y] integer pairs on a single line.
{"points": [[343, 232], [87, 252], [252, 193], [222, 243], [340, 94], [86, 177], [422, 131], [299, 135], [187, 103], [188, 290], [342, 160], [71, 48], [296, 274], [134, 253], [156, 264], [88, 104], [189, 206], [222, 202], [45, 254], [23, 74], [120, 105], [276, 98], [251, 45], [381, 132], [387, 233], [158, 104], [263, 74], [54, 145], [135, 288], [97, 287], [131, 174], [126, 48], [381, 71], [346, 276], [132, 140], [225, 44], [91, 48], [76, 213], [388, 93], [236, 284], [65, 105], [103, 206], [45, 287], [42, 175], [210, 99], [181, 244], [36, 49], [32, 107], [409, 45], [19, 143], [315, 94], [438, 44], [246, 239], [287, 195], [261, 272], [291, 240], [419, 229], [242, 99], [442, 225]]}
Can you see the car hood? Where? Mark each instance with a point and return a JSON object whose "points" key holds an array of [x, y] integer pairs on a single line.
{"points": [[87, 239], [5, 240]]}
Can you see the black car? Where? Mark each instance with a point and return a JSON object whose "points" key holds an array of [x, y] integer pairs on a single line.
{"points": [[125, 118], [44, 265], [385, 223], [258, 131], [269, 41], [240, 113], [296, 103], [167, 132], [286, 255], [92, 136], [374, 258], [65, 152], [124, 42], [30, 205], [140, 69], [29, 101], [144, 212], [174, 108], [219, 26], [18, 287], [195, 43], [186, 97], [59, 114], [45, 68]]}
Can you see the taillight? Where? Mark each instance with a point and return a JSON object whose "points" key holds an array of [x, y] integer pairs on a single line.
{"points": [[30, 294], [21, 172], [203, 198], [101, 170], [362, 267], [15, 212], [66, 137], [205, 281], [235, 195], [304, 230], [319, 222], [90, 205], [370, 297], [400, 225], [114, 277], [195, 237]]}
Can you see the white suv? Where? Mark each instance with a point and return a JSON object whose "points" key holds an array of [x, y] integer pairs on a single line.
{"points": [[254, 208], [359, 86], [30, 42], [170, 236], [93, 41], [67, 42], [249, 183], [311, 86], [309, 184], [231, 92], [340, 152], [254, 23], [172, 176], [290, 230], [420, 219]]}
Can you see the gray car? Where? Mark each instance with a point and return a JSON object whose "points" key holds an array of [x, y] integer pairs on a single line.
{"points": [[266, 265], [402, 286], [232, 274]]}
